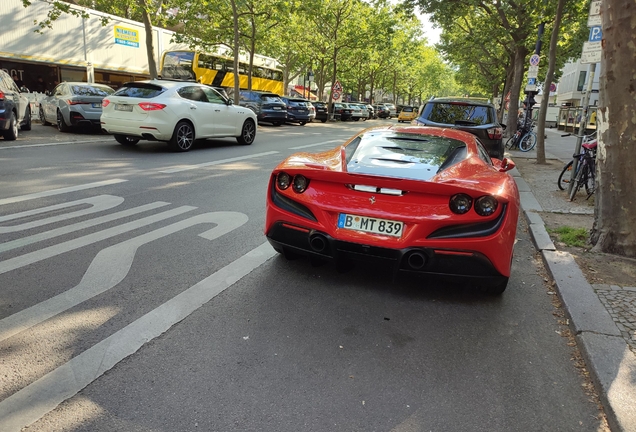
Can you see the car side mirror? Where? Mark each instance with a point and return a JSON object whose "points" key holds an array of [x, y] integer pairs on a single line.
{"points": [[503, 165], [23, 89], [230, 101]]}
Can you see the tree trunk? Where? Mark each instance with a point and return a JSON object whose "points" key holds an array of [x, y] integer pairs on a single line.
{"points": [[236, 48], [614, 228], [546, 86], [150, 46], [515, 88]]}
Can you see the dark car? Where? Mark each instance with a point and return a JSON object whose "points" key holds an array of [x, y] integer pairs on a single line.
{"points": [[470, 115], [297, 110], [322, 113], [341, 111], [15, 110], [268, 106], [381, 111]]}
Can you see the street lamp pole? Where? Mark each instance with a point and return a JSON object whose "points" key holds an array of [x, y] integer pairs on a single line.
{"points": [[310, 78]]}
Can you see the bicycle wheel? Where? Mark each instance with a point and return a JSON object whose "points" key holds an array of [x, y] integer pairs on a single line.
{"points": [[510, 143], [590, 180], [564, 177], [579, 181], [528, 142]]}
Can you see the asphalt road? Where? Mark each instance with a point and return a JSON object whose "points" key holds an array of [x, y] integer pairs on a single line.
{"points": [[138, 293]]}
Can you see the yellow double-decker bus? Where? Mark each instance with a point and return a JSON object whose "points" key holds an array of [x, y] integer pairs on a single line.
{"points": [[216, 70]]}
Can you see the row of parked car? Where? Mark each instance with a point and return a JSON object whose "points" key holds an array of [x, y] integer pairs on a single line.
{"points": [[178, 112]]}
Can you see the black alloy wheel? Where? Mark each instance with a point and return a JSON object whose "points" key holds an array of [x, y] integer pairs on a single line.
{"points": [[61, 124], [11, 134], [182, 137], [42, 117], [248, 133], [26, 124]]}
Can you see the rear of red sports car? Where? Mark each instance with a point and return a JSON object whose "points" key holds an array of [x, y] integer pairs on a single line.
{"points": [[422, 199]]}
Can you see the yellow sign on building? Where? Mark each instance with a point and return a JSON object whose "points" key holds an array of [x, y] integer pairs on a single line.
{"points": [[127, 36]]}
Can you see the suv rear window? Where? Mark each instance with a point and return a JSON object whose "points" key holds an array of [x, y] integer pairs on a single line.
{"points": [[271, 98], [86, 90], [140, 90], [457, 113]]}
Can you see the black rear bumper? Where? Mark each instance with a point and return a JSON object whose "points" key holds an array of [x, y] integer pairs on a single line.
{"points": [[456, 264]]}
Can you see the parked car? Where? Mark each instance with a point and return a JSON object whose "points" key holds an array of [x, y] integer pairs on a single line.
{"points": [[407, 114], [73, 104], [381, 111], [322, 112], [357, 112], [392, 109], [341, 111], [15, 109], [268, 106], [297, 110], [452, 211], [176, 112], [475, 116]]}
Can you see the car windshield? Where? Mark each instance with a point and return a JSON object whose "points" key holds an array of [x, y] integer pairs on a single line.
{"points": [[271, 98], [404, 155], [86, 90], [458, 113], [140, 90]]}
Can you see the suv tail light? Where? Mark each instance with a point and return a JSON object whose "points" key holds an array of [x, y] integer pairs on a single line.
{"points": [[1, 96], [151, 106], [105, 103], [495, 133]]}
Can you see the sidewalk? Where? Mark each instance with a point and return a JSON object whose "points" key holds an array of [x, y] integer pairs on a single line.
{"points": [[602, 317]]}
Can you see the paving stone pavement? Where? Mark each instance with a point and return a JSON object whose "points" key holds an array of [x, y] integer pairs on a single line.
{"points": [[620, 302]]}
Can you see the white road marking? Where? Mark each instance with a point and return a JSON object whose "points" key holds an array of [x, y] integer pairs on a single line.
{"points": [[51, 251], [316, 145], [109, 267], [55, 144], [52, 192], [98, 203], [21, 242], [218, 162], [35, 400]]}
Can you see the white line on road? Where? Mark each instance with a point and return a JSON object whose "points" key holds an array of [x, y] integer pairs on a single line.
{"points": [[35, 400], [109, 267], [97, 203], [316, 145], [222, 161], [51, 251], [60, 191], [55, 144], [21, 242]]}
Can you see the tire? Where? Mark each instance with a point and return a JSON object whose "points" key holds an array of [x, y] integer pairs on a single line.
{"points": [[11, 134], [248, 133], [182, 137], [564, 179], [494, 289], [324, 121], [511, 142], [302, 123], [277, 123], [590, 181], [126, 140], [581, 177], [61, 124], [42, 117], [26, 124], [528, 141]]}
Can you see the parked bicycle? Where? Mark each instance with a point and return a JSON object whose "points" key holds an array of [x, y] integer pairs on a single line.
{"points": [[524, 139], [585, 176]]}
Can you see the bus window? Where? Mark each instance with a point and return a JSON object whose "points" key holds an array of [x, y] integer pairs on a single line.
{"points": [[178, 65], [206, 61]]}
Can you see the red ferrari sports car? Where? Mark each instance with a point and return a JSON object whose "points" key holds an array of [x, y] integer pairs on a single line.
{"points": [[425, 199]]}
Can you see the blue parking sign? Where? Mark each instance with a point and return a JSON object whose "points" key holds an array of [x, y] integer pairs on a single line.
{"points": [[596, 34]]}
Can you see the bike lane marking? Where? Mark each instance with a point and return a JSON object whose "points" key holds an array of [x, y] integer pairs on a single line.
{"points": [[60, 191], [109, 267], [218, 162], [24, 241], [98, 203], [53, 144], [51, 251], [315, 145], [42, 396]]}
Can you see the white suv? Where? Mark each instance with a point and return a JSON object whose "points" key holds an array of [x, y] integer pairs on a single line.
{"points": [[174, 111]]}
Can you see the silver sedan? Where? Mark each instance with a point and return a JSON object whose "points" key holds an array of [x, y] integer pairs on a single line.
{"points": [[73, 104]]}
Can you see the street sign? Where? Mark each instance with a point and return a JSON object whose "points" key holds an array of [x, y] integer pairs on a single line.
{"points": [[594, 18], [553, 88], [534, 60], [591, 52], [337, 86], [336, 95], [596, 34], [533, 71], [532, 85]]}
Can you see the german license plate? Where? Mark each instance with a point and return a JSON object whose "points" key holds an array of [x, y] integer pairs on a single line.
{"points": [[120, 107], [97, 105], [301, 111], [370, 225], [277, 108]]}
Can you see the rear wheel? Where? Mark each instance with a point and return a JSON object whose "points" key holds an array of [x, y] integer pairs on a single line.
{"points": [[511, 142], [126, 140], [26, 124], [303, 123], [61, 124], [528, 142], [42, 117], [564, 177], [248, 133], [324, 121], [581, 178], [182, 137], [11, 134]]}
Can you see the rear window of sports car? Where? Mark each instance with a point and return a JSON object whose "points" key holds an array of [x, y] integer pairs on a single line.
{"points": [[458, 113], [140, 90], [407, 147]]}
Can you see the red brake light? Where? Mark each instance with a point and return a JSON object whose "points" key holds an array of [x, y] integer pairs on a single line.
{"points": [[105, 103], [72, 102], [1, 96], [495, 133], [151, 106]]}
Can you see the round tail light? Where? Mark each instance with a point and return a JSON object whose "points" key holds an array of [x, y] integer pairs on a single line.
{"points": [[460, 203], [486, 205], [283, 180], [300, 184]]}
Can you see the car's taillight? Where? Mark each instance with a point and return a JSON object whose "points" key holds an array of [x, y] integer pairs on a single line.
{"points": [[105, 103], [1, 96], [72, 102], [151, 106], [486, 205], [460, 203], [495, 133]]}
